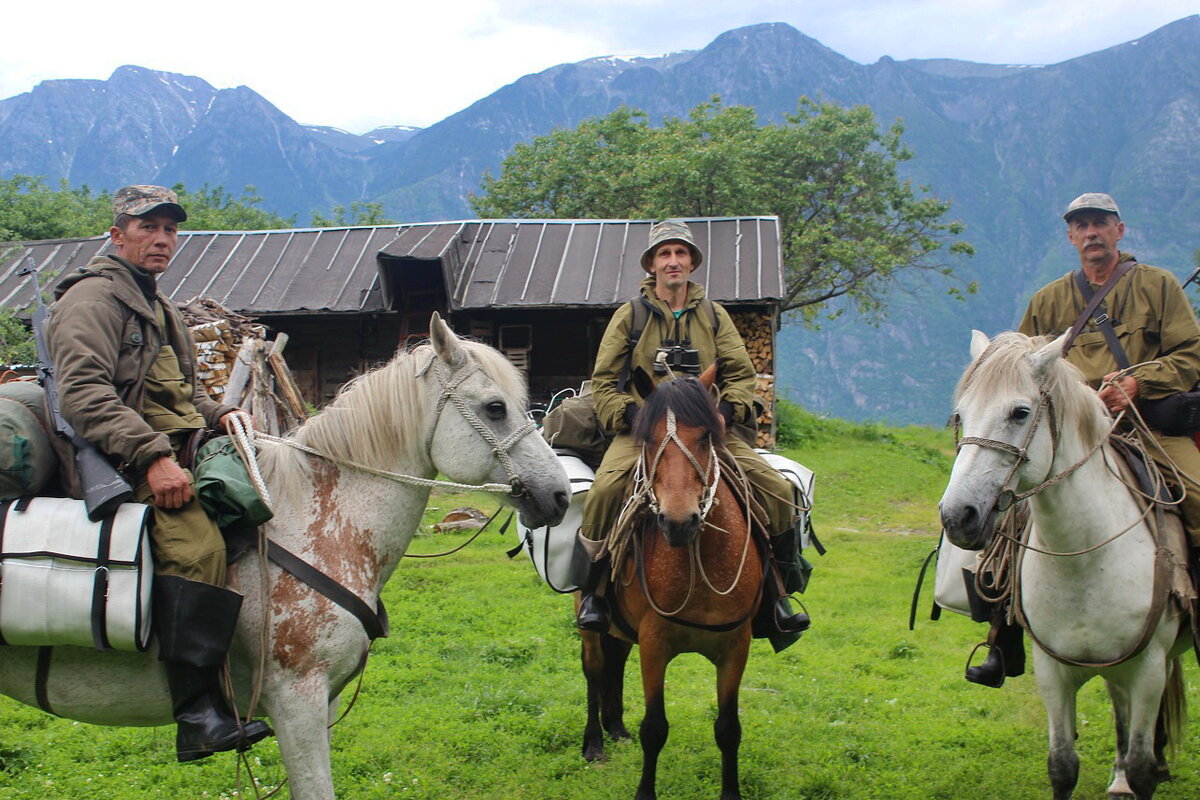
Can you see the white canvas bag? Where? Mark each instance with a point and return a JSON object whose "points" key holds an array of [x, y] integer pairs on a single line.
{"points": [[65, 580], [552, 549], [949, 587]]}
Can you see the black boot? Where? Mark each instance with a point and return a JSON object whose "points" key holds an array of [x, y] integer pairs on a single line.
{"points": [[593, 608], [195, 624], [786, 621], [1006, 656]]}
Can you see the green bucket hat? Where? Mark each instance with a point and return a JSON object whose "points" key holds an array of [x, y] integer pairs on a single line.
{"points": [[671, 230]]}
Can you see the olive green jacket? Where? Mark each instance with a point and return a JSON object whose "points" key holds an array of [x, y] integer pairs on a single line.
{"points": [[1153, 321], [103, 337], [735, 371]]}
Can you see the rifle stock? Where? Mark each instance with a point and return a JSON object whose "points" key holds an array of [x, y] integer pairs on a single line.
{"points": [[104, 488]]}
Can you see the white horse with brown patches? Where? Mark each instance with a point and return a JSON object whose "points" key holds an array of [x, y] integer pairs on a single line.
{"points": [[452, 407]]}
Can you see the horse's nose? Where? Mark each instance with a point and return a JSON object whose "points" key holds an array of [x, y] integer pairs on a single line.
{"points": [[679, 532], [961, 521], [562, 500]]}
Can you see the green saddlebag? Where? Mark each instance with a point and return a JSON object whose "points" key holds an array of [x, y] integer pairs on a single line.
{"points": [[27, 458], [224, 488]]}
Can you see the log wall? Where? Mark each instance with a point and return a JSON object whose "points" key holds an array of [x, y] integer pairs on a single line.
{"points": [[758, 332]]}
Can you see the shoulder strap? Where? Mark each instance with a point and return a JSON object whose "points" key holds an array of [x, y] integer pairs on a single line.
{"points": [[1094, 301], [640, 315], [1099, 315], [710, 309]]}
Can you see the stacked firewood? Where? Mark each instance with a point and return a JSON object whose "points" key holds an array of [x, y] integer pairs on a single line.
{"points": [[239, 367], [758, 334]]}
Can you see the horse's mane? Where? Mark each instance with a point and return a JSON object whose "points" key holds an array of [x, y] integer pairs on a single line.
{"points": [[1003, 369], [692, 403], [379, 418]]}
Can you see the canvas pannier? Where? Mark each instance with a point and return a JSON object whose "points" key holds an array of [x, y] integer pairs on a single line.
{"points": [[27, 458], [955, 566], [65, 580], [552, 550], [573, 425]]}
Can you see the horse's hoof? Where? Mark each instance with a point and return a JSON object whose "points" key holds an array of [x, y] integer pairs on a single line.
{"points": [[594, 753], [620, 733]]}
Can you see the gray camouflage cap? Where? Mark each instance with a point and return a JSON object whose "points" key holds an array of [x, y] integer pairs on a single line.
{"points": [[137, 201], [1091, 201], [671, 230]]}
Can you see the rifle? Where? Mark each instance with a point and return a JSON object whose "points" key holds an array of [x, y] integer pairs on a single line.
{"points": [[103, 486], [1191, 278]]}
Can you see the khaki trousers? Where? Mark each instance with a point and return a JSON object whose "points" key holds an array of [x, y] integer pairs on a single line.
{"points": [[185, 541], [607, 495]]}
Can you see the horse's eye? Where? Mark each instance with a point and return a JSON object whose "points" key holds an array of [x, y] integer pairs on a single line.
{"points": [[496, 409], [1020, 414]]}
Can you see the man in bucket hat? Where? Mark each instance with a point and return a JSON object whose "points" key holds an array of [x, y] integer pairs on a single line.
{"points": [[1151, 319], [694, 332], [125, 365]]}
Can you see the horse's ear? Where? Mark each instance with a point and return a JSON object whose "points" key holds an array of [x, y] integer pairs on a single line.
{"points": [[979, 343], [709, 376], [1043, 359], [643, 384], [444, 342]]}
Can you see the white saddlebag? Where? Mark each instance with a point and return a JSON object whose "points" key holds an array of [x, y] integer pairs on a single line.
{"points": [[949, 585], [65, 580], [802, 479], [552, 549]]}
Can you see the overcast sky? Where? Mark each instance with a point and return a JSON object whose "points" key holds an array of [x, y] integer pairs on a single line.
{"points": [[361, 64]]}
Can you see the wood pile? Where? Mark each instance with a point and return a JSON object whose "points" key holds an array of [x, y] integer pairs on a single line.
{"points": [[759, 335], [239, 367]]}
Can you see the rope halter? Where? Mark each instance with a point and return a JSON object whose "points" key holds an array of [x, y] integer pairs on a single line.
{"points": [[451, 381], [711, 476]]}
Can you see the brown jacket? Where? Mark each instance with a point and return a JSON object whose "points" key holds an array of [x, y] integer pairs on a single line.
{"points": [[735, 370], [1153, 320], [103, 337]]}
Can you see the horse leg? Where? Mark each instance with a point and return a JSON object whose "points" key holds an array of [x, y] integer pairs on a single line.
{"points": [[594, 669], [1058, 687], [612, 709], [728, 727], [1145, 701], [654, 728], [299, 712], [1119, 788]]}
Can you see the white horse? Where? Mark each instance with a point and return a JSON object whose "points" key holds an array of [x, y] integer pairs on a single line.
{"points": [[1088, 587], [454, 407]]}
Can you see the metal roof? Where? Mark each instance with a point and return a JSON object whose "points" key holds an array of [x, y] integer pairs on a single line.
{"points": [[485, 263]]}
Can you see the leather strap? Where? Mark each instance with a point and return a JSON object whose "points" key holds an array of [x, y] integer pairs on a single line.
{"points": [[40, 679], [1095, 299], [100, 585], [1101, 319], [374, 622], [4, 508]]}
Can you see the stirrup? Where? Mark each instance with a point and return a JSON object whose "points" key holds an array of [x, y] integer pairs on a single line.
{"points": [[791, 623], [982, 674], [593, 614]]}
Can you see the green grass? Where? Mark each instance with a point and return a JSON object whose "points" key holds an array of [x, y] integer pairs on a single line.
{"points": [[478, 692]]}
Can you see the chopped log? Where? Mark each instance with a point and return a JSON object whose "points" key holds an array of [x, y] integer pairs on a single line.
{"points": [[289, 392], [239, 376]]}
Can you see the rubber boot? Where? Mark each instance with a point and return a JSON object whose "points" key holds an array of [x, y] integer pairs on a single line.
{"points": [[195, 624], [593, 608], [1006, 656], [788, 622]]}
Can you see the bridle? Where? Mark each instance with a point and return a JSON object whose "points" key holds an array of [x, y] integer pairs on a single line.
{"points": [[451, 380], [710, 476]]}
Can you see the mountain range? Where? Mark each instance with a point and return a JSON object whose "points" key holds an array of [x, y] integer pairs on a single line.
{"points": [[1008, 145]]}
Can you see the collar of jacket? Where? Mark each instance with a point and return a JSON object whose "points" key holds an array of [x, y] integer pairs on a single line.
{"points": [[124, 286], [695, 294]]}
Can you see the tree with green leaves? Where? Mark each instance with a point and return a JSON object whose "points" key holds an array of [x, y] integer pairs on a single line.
{"points": [[849, 223], [357, 213]]}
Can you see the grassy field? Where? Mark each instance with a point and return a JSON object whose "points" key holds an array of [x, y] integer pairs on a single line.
{"points": [[478, 693]]}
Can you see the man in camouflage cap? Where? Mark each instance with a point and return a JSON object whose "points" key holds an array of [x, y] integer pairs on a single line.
{"points": [[125, 365], [679, 318], [1154, 324]]}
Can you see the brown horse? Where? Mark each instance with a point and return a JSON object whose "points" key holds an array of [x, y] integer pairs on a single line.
{"points": [[689, 579]]}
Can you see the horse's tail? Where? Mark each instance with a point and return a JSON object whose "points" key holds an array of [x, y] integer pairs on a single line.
{"points": [[1174, 707]]}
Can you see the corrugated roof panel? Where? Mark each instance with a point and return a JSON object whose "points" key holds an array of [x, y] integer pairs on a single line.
{"points": [[575, 266], [360, 269], [189, 283], [490, 259], [542, 272], [229, 273]]}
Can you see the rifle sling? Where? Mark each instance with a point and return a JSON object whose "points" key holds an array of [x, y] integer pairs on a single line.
{"points": [[1095, 299]]}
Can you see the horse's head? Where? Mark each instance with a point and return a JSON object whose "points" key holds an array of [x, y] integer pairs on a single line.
{"points": [[679, 429], [479, 432], [1020, 405]]}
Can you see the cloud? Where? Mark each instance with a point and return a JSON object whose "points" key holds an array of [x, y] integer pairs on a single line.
{"points": [[369, 63]]}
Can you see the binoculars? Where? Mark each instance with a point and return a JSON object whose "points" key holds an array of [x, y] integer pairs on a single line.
{"points": [[681, 357]]}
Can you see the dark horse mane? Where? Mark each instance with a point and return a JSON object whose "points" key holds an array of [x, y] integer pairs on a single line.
{"points": [[693, 406]]}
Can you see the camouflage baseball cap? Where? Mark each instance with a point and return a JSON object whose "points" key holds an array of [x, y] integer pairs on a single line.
{"points": [[1092, 201], [671, 230], [137, 201]]}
